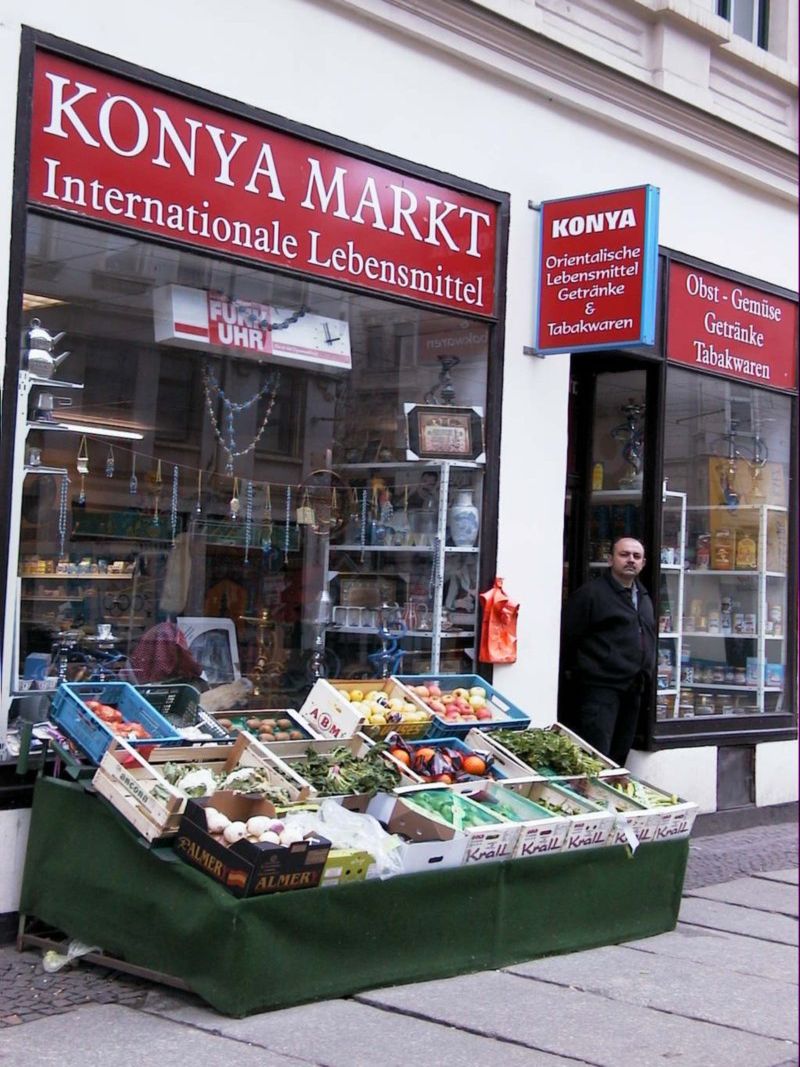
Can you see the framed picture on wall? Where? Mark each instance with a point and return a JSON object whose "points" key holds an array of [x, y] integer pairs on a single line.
{"points": [[437, 431]]}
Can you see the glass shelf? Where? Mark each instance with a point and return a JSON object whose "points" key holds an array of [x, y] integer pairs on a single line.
{"points": [[721, 574], [726, 686], [372, 631], [79, 577]]}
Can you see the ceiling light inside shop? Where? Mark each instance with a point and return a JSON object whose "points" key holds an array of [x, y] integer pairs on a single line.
{"points": [[32, 302], [90, 430]]}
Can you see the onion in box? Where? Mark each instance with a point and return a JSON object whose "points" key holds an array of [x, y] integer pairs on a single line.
{"points": [[257, 825], [216, 821]]}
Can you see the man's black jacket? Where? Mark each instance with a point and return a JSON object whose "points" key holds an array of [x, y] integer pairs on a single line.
{"points": [[604, 639]]}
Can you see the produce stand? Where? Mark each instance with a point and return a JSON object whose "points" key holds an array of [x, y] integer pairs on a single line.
{"points": [[90, 876]]}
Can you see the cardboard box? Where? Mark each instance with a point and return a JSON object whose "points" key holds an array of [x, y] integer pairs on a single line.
{"points": [[429, 845], [248, 869], [138, 790], [330, 714], [667, 815], [541, 832], [587, 825], [491, 840]]}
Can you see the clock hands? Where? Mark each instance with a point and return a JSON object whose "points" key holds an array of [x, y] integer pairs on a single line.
{"points": [[329, 338]]}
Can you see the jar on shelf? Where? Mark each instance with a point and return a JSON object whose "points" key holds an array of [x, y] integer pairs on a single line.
{"points": [[725, 704], [722, 550], [704, 705], [702, 555], [740, 676], [686, 707], [746, 553]]}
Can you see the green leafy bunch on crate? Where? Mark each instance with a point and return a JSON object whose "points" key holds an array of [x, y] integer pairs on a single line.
{"points": [[549, 749]]}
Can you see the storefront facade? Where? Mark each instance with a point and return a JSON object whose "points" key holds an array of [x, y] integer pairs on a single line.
{"points": [[264, 285]]}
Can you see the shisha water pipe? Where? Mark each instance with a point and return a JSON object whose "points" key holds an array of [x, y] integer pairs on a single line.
{"points": [[633, 450], [444, 391], [389, 658]]}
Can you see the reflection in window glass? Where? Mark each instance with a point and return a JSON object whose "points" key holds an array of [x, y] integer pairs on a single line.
{"points": [[617, 461], [724, 553], [211, 480]]}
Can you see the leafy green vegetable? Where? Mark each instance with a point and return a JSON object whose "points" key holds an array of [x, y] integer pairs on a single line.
{"points": [[340, 772], [548, 749]]}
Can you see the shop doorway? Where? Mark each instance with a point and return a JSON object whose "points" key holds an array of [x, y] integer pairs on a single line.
{"points": [[611, 466]]}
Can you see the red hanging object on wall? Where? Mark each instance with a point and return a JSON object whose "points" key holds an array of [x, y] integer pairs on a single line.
{"points": [[499, 626]]}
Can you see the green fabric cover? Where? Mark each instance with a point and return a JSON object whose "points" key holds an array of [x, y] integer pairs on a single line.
{"points": [[89, 875]]}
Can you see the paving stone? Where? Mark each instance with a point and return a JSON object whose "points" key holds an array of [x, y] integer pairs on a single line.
{"points": [[723, 857], [716, 915], [789, 876], [347, 1033], [582, 1026], [764, 1006], [96, 1035], [725, 951], [753, 893]]}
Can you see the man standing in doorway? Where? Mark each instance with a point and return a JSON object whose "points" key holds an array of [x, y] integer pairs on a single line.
{"points": [[608, 643]]}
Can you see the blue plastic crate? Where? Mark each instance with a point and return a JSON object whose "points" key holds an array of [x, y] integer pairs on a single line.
{"points": [[513, 718], [90, 733], [459, 746]]}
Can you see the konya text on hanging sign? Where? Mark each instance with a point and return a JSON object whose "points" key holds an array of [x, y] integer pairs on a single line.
{"points": [[598, 267], [194, 318], [108, 148], [715, 324]]}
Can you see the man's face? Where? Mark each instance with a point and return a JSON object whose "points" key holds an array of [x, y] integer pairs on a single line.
{"points": [[627, 560]]}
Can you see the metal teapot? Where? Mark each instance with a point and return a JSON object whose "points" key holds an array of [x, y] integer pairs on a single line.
{"points": [[40, 360]]}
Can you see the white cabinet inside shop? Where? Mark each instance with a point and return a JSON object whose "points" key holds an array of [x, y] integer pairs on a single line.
{"points": [[722, 611], [403, 571]]}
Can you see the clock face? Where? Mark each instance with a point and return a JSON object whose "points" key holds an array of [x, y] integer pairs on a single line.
{"points": [[329, 337]]}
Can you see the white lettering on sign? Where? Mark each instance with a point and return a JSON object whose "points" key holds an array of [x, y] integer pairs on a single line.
{"points": [[103, 146], [333, 195], [598, 222], [726, 360]]}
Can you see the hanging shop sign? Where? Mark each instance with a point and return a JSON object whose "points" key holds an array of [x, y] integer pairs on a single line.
{"points": [[107, 148], [718, 325], [194, 318], [598, 266]]}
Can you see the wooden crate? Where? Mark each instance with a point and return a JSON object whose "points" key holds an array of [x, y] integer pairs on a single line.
{"points": [[139, 791]]}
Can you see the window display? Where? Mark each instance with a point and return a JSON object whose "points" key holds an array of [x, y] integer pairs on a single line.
{"points": [[724, 564], [224, 449]]}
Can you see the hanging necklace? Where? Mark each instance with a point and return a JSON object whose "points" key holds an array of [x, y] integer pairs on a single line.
{"points": [[173, 511], [230, 408], [62, 514]]}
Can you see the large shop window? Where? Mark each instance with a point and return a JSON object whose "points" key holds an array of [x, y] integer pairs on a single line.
{"points": [[723, 597], [195, 508]]}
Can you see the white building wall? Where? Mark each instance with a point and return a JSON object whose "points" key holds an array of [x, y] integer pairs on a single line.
{"points": [[501, 109]]}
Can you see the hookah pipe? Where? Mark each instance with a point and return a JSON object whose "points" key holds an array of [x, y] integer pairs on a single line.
{"points": [[730, 496], [389, 658]]}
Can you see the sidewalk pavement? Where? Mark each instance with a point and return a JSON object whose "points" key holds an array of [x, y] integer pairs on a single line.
{"points": [[719, 991]]}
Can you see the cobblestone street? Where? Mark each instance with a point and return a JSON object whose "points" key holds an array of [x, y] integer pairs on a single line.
{"points": [[27, 992]]}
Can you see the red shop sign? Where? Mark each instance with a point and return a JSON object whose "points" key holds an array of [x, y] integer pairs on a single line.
{"points": [[598, 267], [718, 325], [107, 148]]}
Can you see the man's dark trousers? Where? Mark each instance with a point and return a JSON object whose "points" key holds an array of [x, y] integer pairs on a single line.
{"points": [[607, 718]]}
